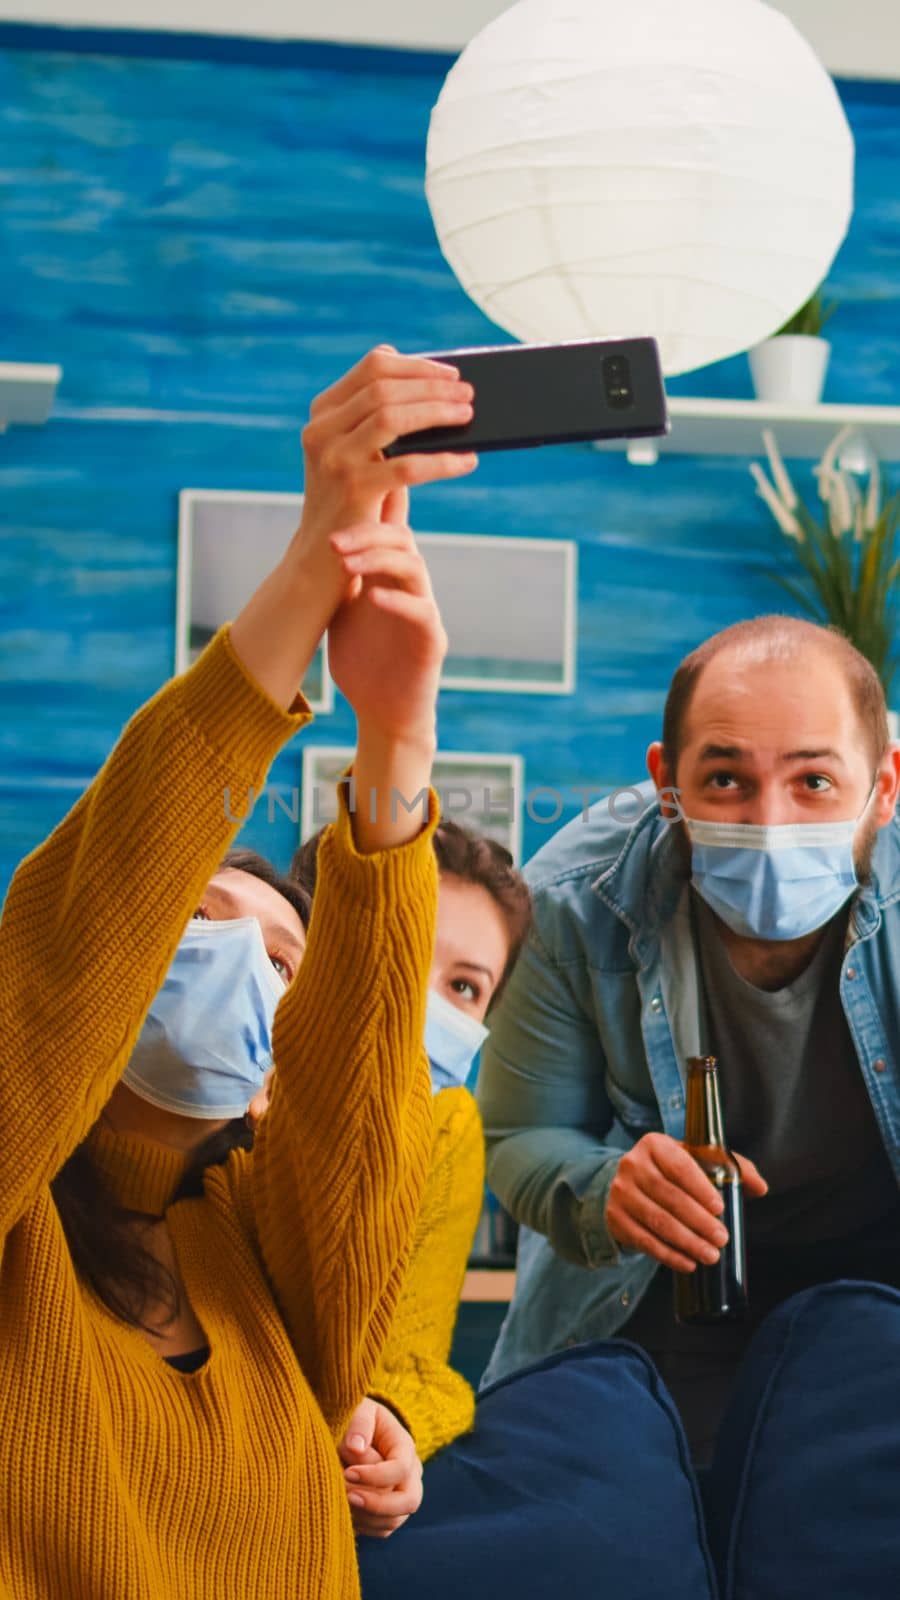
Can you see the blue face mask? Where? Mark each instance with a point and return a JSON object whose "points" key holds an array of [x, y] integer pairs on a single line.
{"points": [[452, 1041], [206, 1043], [774, 883]]}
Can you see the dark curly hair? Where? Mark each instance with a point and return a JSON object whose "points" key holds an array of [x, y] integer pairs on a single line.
{"points": [[470, 856]]}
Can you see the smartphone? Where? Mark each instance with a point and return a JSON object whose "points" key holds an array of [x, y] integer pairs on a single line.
{"points": [[531, 394]]}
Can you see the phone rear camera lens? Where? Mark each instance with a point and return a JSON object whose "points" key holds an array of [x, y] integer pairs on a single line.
{"points": [[617, 382]]}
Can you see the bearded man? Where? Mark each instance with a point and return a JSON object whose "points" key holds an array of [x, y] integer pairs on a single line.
{"points": [[750, 912]]}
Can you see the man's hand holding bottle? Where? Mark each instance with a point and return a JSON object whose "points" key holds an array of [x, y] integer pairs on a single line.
{"points": [[661, 1202]]}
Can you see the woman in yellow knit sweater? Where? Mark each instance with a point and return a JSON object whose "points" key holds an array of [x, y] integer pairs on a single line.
{"points": [[119, 1475]]}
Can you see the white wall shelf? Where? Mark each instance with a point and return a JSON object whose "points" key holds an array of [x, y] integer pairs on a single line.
{"points": [[734, 428], [26, 392]]}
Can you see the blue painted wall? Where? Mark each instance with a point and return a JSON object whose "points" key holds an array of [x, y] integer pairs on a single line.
{"points": [[203, 244]]}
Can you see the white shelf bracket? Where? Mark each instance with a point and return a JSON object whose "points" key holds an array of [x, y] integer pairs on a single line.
{"points": [[642, 452], [27, 392]]}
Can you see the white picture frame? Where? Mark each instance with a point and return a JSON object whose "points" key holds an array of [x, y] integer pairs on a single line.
{"points": [[494, 782], [253, 528]]}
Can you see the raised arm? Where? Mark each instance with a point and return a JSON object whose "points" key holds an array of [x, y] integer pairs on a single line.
{"points": [[338, 1169], [340, 1162]]}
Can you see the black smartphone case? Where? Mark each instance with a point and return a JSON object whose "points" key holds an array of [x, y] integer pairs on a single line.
{"points": [[529, 395]]}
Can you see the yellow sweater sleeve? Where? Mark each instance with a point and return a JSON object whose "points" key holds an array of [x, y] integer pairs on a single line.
{"points": [[414, 1374], [340, 1160], [93, 917]]}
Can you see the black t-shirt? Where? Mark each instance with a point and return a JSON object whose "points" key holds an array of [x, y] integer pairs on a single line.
{"points": [[793, 1096]]}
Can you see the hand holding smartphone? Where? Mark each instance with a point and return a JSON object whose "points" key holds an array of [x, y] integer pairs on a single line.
{"points": [[529, 395]]}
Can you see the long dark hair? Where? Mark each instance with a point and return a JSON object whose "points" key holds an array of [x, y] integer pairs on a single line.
{"points": [[104, 1240]]}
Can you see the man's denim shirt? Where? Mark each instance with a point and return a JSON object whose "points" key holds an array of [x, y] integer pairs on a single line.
{"points": [[587, 1052]]}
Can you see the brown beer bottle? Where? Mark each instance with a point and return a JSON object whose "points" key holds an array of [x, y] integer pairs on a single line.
{"points": [[713, 1293]]}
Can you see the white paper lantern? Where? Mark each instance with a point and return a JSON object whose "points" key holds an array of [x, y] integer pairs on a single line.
{"points": [[681, 168]]}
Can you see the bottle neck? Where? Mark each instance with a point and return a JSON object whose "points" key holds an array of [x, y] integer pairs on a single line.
{"points": [[703, 1113]]}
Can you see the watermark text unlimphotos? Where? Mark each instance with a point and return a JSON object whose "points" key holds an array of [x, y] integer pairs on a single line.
{"points": [[543, 805]]}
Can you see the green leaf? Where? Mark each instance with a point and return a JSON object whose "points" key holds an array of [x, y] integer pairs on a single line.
{"points": [[853, 585], [810, 318]]}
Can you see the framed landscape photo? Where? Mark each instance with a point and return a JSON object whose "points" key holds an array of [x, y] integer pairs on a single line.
{"points": [[483, 792], [509, 605], [228, 540], [509, 608]]}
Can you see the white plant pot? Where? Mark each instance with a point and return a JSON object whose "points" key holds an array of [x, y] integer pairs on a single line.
{"points": [[790, 369]]}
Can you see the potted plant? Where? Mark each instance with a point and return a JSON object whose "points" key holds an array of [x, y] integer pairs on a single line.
{"points": [[848, 554], [789, 368]]}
